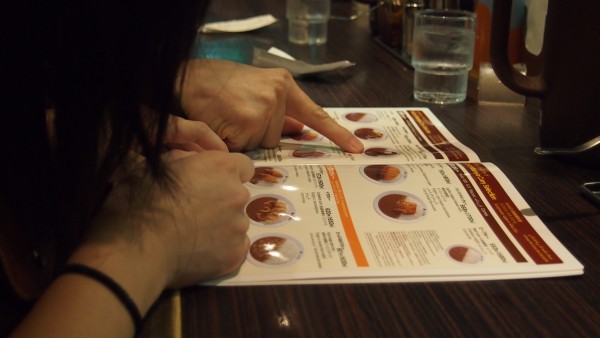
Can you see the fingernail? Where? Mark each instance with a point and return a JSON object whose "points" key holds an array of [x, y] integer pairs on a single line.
{"points": [[356, 146]]}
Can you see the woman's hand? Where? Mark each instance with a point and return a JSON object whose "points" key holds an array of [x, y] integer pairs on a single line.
{"points": [[249, 107], [191, 135], [148, 236], [209, 230]]}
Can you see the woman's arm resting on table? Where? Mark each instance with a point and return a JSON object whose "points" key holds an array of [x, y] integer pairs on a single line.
{"points": [[148, 238]]}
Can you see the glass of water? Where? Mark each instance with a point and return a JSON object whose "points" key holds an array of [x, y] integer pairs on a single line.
{"points": [[307, 21], [443, 45]]}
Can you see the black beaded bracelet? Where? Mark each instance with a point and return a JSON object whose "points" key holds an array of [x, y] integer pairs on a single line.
{"points": [[115, 288]]}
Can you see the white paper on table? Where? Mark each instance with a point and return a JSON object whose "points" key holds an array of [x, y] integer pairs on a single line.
{"points": [[237, 26], [279, 52]]}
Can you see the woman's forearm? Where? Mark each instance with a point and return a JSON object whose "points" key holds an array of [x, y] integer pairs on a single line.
{"points": [[76, 305]]}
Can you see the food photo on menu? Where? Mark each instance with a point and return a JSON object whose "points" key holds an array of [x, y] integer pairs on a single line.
{"points": [[400, 206], [417, 205], [274, 250], [268, 176], [369, 134], [269, 210], [384, 173]]}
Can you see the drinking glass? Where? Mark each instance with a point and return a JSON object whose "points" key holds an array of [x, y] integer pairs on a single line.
{"points": [[443, 45], [307, 21]]}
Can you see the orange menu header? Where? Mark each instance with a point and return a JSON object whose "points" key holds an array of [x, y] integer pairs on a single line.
{"points": [[348, 225]]}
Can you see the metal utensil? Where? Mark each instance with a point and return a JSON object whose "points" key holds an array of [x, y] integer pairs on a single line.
{"points": [[263, 58], [565, 151], [592, 190]]}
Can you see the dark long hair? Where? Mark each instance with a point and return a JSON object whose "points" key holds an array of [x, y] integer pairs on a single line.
{"points": [[107, 69]]}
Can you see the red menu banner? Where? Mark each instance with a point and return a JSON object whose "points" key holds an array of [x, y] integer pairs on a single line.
{"points": [[513, 219], [434, 135]]}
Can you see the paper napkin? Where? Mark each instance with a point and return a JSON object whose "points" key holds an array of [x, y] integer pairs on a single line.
{"points": [[237, 26]]}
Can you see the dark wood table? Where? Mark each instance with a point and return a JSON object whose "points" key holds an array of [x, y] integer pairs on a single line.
{"points": [[502, 134]]}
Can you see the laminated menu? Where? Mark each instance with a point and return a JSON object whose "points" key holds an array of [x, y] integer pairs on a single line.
{"points": [[416, 205]]}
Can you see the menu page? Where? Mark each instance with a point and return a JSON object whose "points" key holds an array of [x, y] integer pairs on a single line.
{"points": [[390, 135], [393, 222]]}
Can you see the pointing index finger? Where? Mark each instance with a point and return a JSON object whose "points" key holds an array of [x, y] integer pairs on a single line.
{"points": [[303, 109]]}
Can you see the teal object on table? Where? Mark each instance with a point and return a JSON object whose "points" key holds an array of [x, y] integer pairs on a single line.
{"points": [[237, 49]]}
